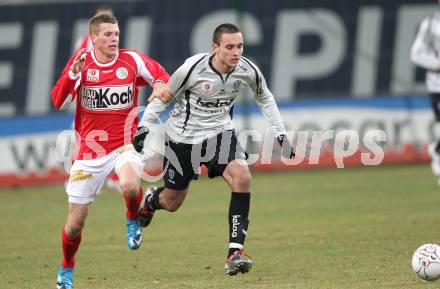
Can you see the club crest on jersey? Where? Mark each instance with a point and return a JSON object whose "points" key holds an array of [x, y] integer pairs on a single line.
{"points": [[122, 73], [206, 88], [93, 75], [112, 97], [236, 85]]}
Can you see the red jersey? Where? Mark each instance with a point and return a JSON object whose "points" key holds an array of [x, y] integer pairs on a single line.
{"points": [[106, 115], [86, 42]]}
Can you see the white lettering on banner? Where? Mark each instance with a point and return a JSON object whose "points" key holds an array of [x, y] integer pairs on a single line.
{"points": [[138, 34], [25, 154], [28, 154], [367, 49], [11, 36], [42, 67], [6, 73], [80, 28], [289, 65], [107, 98]]}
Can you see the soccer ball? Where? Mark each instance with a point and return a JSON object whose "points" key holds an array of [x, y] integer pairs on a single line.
{"points": [[426, 262]]}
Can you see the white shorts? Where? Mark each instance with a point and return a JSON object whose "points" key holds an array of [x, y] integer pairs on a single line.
{"points": [[88, 176]]}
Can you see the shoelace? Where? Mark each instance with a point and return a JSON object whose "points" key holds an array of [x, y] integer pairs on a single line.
{"points": [[131, 228], [238, 254]]}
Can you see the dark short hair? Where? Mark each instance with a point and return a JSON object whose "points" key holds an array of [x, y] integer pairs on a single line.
{"points": [[223, 28], [98, 19]]}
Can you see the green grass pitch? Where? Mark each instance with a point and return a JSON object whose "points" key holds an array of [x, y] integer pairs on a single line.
{"points": [[317, 229]]}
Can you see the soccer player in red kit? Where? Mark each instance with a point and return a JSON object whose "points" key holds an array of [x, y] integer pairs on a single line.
{"points": [[104, 83], [112, 181]]}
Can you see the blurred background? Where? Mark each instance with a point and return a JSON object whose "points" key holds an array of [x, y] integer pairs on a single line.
{"points": [[332, 65]]}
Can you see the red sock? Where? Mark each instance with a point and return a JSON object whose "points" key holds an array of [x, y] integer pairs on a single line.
{"points": [[70, 246], [133, 205]]}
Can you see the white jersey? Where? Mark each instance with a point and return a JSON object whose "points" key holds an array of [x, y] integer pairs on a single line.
{"points": [[425, 51], [204, 99]]}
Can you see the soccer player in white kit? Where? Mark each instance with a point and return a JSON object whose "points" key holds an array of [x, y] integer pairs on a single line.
{"points": [[425, 52], [104, 83], [205, 89]]}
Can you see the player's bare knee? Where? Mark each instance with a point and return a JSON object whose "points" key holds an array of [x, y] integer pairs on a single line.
{"points": [[243, 179], [129, 188], [74, 228]]}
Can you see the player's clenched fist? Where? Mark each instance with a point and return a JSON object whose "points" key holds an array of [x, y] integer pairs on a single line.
{"points": [[286, 148]]}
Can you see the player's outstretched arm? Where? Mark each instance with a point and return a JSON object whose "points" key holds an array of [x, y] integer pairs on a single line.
{"points": [[152, 68], [266, 102], [177, 83], [264, 98]]}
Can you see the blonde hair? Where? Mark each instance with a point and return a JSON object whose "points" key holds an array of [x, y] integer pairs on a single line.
{"points": [[98, 19]]}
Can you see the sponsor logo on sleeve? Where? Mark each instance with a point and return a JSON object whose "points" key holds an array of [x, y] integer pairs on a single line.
{"points": [[113, 97]]}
